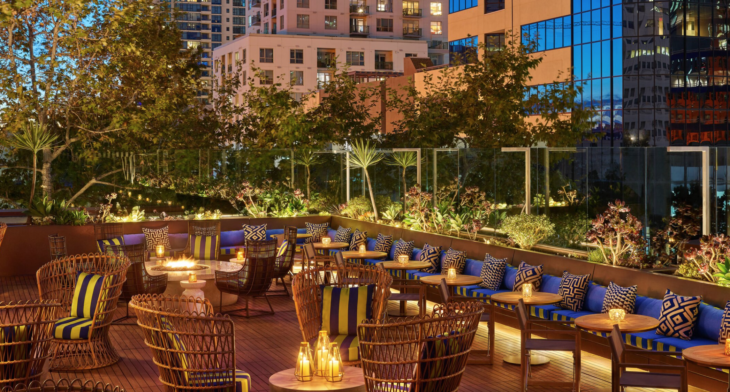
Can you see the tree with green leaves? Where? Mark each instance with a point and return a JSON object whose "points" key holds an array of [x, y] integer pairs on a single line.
{"points": [[404, 160], [307, 158], [364, 156], [33, 137]]}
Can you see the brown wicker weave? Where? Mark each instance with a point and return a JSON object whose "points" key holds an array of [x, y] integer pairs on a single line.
{"points": [[107, 231], [138, 280], [425, 354], [205, 341], [57, 245], [254, 279], [284, 263], [487, 317], [22, 359], [307, 293], [64, 385], [202, 228], [3, 229], [57, 280]]}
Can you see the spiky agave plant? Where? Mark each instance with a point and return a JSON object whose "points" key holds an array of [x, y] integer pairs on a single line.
{"points": [[364, 155], [33, 137], [404, 160]]}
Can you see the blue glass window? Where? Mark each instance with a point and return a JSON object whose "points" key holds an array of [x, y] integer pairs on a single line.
{"points": [[216, 37], [215, 10], [460, 5], [460, 48], [216, 28], [577, 39], [548, 34], [216, 19]]}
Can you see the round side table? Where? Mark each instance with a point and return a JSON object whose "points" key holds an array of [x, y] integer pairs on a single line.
{"points": [[284, 381], [194, 289], [411, 265], [600, 322], [711, 355]]}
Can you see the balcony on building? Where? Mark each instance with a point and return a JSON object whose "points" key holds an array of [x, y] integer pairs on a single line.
{"points": [[254, 4], [436, 45], [326, 58], [384, 60], [412, 12], [412, 32], [255, 20], [359, 9], [359, 30]]}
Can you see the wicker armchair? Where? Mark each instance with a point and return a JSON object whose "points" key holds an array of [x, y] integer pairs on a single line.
{"points": [[26, 331], [193, 350], [3, 229], [487, 317], [307, 293], [57, 280], [138, 280], [254, 279], [419, 354], [64, 385], [202, 228], [284, 262]]}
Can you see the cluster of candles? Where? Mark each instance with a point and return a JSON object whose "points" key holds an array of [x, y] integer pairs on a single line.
{"points": [[616, 315], [326, 361], [527, 289]]}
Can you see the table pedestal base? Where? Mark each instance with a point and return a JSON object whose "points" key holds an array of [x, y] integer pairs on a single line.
{"points": [[534, 359]]}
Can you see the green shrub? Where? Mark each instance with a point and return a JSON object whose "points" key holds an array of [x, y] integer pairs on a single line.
{"points": [[528, 230]]}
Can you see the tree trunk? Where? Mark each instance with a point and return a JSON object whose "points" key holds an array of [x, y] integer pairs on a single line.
{"points": [[47, 180], [32, 185], [308, 176], [405, 190], [372, 197]]}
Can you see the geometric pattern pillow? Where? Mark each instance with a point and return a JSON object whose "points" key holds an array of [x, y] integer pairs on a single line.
{"points": [[402, 248], [343, 235], [317, 230], [618, 297], [492, 272], [430, 254], [453, 259], [116, 241], [679, 316], [528, 274], [383, 243], [204, 247], [725, 324], [573, 289], [86, 295], [254, 233], [344, 308], [358, 238], [154, 237]]}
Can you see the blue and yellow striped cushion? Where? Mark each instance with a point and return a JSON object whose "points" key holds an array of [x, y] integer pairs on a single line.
{"points": [[349, 346], [72, 328], [87, 292], [440, 348], [204, 247], [282, 249], [344, 308], [208, 379], [116, 241], [15, 345]]}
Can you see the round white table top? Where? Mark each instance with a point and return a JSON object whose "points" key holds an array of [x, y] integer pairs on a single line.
{"points": [[285, 381], [208, 273]]}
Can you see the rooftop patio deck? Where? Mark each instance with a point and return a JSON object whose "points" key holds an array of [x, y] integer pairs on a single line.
{"points": [[267, 344]]}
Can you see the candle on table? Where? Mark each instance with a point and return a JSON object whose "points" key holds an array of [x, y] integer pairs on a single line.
{"points": [[326, 241], [727, 346], [321, 354], [451, 274], [239, 255], [303, 370], [160, 251], [616, 315], [334, 371], [362, 248], [193, 278], [403, 259], [527, 290]]}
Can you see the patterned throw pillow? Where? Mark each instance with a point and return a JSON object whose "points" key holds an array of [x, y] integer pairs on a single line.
{"points": [[402, 248], [453, 259], [383, 243], [116, 241], [725, 324], [154, 237], [573, 289], [343, 235], [430, 254], [282, 249], [204, 247], [358, 238], [86, 295], [356, 302], [679, 315], [492, 272], [254, 233], [317, 230], [528, 274], [205, 231], [618, 297]]}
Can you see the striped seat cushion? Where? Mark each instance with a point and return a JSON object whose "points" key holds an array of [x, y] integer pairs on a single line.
{"points": [[212, 379], [349, 346], [87, 292], [344, 308], [72, 328], [282, 249], [232, 250], [440, 348], [13, 348], [204, 247], [101, 244]]}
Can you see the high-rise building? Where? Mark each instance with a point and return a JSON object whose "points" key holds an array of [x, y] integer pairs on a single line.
{"points": [[655, 71]]}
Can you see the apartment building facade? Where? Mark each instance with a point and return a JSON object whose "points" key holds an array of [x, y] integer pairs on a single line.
{"points": [[655, 71], [306, 62]]}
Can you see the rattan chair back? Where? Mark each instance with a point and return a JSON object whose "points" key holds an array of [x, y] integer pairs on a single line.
{"points": [[107, 231], [63, 385], [3, 229], [307, 292], [419, 354], [257, 273], [139, 281], [26, 331], [193, 350], [284, 262]]}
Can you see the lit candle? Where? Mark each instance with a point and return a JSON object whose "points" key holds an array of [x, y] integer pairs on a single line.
{"points": [[333, 367], [527, 290], [334, 371], [321, 354], [326, 241], [451, 274], [727, 346], [160, 250], [616, 315], [193, 278], [403, 259], [303, 370], [239, 255], [362, 248]]}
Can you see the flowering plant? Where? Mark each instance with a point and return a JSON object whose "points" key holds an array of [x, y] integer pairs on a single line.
{"points": [[710, 258], [617, 234], [669, 244]]}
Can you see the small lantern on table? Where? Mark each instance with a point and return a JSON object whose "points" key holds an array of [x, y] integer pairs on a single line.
{"points": [[403, 259], [160, 251], [334, 372], [617, 315], [451, 275], [527, 289], [362, 248], [727, 346], [192, 278], [239, 255], [326, 241], [304, 370], [321, 353]]}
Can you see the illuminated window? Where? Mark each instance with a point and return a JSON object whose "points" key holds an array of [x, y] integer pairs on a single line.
{"points": [[436, 9], [436, 28], [330, 23]]}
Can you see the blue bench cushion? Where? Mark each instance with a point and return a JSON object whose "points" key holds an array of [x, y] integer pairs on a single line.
{"points": [[232, 238], [232, 250], [643, 340], [416, 274], [550, 284], [677, 344], [595, 297], [509, 278]]}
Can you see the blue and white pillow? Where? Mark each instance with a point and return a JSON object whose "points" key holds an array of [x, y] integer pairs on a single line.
{"points": [[573, 289], [383, 243], [492, 272], [430, 254], [453, 259], [343, 235], [401, 248], [679, 316], [528, 274], [725, 324], [358, 238], [618, 297], [254, 233], [317, 230]]}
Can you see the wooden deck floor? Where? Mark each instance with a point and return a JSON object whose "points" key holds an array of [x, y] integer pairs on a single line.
{"points": [[267, 344]]}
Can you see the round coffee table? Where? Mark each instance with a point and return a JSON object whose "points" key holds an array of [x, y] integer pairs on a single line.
{"points": [[538, 298], [331, 245], [285, 381], [711, 355], [460, 280], [206, 275], [357, 255], [600, 322], [398, 266]]}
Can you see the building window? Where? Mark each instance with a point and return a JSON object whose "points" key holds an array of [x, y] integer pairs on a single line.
{"points": [[550, 34], [384, 6], [435, 9], [302, 3], [297, 78], [296, 56], [216, 37], [385, 25], [215, 10], [355, 58], [303, 21], [266, 55], [494, 42], [330, 4], [493, 5], [323, 78], [411, 55], [266, 28], [267, 77], [462, 50], [436, 28], [266, 9], [239, 11], [460, 5], [239, 20], [330, 23]]}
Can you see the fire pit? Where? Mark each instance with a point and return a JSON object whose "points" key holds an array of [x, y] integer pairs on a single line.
{"points": [[180, 265]]}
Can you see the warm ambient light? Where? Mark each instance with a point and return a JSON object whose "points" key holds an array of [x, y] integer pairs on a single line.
{"points": [[617, 315], [527, 290], [180, 264], [451, 274], [239, 255], [326, 241], [334, 371], [192, 278], [303, 370], [321, 355], [403, 259], [727, 346], [160, 251], [362, 248], [139, 197]]}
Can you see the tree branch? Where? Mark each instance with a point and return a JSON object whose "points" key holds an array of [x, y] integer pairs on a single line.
{"points": [[91, 182], [20, 167]]}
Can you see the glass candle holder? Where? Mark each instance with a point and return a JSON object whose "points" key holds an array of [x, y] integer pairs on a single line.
{"points": [[334, 372], [160, 251], [239, 255], [326, 241], [727, 346], [451, 274], [321, 353], [403, 259], [616, 315], [304, 370], [527, 290], [362, 248], [192, 278]]}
